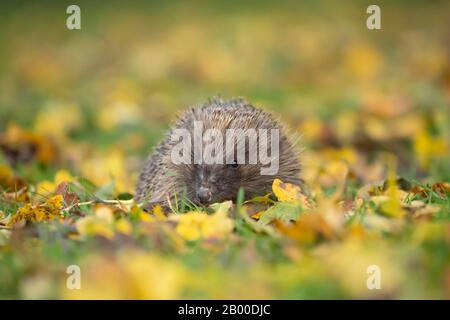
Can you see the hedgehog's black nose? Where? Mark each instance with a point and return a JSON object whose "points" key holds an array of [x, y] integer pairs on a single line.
{"points": [[204, 195]]}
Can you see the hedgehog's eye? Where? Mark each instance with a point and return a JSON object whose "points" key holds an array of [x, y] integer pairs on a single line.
{"points": [[235, 164]]}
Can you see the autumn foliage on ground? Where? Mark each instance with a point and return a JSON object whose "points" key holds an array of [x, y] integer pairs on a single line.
{"points": [[79, 112]]}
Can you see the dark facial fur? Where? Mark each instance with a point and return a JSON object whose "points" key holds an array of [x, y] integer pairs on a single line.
{"points": [[162, 180]]}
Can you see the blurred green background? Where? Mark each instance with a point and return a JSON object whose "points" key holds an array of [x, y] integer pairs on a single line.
{"points": [[92, 102], [132, 65]]}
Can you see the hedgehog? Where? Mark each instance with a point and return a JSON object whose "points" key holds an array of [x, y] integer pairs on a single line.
{"points": [[231, 164]]}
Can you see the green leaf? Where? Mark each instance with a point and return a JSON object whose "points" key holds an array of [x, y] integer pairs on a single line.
{"points": [[284, 211]]}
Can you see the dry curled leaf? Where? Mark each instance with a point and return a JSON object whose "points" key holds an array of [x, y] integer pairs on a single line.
{"points": [[46, 211]]}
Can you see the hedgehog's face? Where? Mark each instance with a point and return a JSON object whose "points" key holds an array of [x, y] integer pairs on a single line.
{"points": [[215, 183]]}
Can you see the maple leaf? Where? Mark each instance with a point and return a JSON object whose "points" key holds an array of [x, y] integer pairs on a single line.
{"points": [[287, 192]]}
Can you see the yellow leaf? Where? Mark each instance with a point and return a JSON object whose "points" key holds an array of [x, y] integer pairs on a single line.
{"points": [[105, 213], [428, 148], [195, 225], [217, 225], [19, 138], [56, 120], [159, 213], [335, 172], [92, 226], [47, 187], [312, 129], [392, 208], [56, 202], [189, 225], [104, 169], [285, 191], [144, 216], [6, 174], [223, 207], [392, 205], [63, 176], [44, 212], [257, 215], [363, 61], [348, 263], [100, 224], [131, 274], [140, 214], [124, 226], [151, 277]]}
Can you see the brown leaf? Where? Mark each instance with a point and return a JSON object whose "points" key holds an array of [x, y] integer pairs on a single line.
{"points": [[308, 229], [70, 198]]}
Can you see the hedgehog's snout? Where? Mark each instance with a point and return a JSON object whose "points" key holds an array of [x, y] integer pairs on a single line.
{"points": [[204, 195]]}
